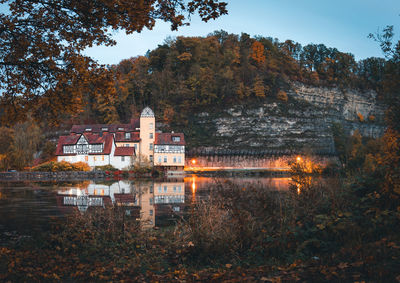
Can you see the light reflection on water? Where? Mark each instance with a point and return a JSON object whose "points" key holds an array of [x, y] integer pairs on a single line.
{"points": [[29, 208]]}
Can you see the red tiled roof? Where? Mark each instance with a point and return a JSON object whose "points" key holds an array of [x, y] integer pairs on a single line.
{"points": [[106, 140], [120, 137], [65, 140], [111, 128], [124, 151], [166, 138]]}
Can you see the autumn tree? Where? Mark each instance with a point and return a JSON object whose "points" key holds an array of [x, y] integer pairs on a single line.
{"points": [[257, 52], [42, 42]]}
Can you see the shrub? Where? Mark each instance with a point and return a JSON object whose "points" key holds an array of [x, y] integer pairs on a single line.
{"points": [[360, 117], [53, 166], [106, 168], [282, 95]]}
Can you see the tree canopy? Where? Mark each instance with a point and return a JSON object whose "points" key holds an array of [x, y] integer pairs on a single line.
{"points": [[41, 43]]}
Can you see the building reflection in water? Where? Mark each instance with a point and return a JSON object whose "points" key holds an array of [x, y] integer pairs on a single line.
{"points": [[153, 203]]}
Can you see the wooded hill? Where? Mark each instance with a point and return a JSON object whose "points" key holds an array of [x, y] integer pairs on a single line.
{"points": [[185, 75]]}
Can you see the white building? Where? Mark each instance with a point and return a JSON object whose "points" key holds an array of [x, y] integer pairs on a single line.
{"points": [[122, 145]]}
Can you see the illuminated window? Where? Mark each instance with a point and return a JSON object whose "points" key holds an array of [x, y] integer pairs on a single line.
{"points": [[102, 158], [86, 158], [94, 158]]}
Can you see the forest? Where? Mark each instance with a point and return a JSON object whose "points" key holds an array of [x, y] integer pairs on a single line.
{"points": [[183, 76]]}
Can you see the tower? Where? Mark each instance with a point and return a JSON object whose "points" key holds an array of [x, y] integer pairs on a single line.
{"points": [[147, 134]]}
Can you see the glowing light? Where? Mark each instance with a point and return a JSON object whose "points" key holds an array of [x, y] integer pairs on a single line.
{"points": [[194, 185], [298, 158], [193, 161]]}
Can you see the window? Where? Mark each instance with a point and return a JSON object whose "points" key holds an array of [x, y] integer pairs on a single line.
{"points": [[177, 208], [151, 158], [174, 159], [159, 189], [102, 158], [151, 126], [127, 145], [151, 146], [135, 145], [120, 129], [165, 189], [179, 159], [165, 159], [176, 139], [127, 136], [104, 129], [174, 189], [151, 135], [151, 212], [122, 158], [94, 158], [179, 189], [159, 159], [68, 149], [86, 158], [151, 200]]}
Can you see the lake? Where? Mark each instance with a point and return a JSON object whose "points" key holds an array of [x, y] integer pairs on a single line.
{"points": [[28, 208]]}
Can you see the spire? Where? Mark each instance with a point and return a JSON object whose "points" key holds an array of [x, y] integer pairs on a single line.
{"points": [[147, 112]]}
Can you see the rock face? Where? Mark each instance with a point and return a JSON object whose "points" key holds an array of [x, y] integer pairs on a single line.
{"points": [[303, 124]]}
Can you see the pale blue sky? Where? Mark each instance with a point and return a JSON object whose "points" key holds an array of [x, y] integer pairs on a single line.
{"points": [[341, 24]]}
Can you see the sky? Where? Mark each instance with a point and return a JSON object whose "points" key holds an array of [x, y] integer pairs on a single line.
{"points": [[343, 24]]}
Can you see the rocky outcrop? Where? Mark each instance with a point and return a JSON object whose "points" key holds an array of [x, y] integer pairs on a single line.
{"points": [[303, 124]]}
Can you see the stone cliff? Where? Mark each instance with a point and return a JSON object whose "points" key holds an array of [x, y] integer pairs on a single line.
{"points": [[303, 124]]}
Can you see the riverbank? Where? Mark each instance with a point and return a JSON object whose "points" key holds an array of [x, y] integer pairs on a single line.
{"points": [[101, 175]]}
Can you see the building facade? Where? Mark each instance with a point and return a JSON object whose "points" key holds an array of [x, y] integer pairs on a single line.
{"points": [[123, 145]]}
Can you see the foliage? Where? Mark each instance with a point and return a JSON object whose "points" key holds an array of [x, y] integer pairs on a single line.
{"points": [[106, 168], [41, 63], [282, 95], [53, 166]]}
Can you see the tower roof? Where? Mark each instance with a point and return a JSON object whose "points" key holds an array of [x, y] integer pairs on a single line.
{"points": [[147, 112]]}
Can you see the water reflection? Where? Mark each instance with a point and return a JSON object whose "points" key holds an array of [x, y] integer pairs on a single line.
{"points": [[25, 207], [148, 201]]}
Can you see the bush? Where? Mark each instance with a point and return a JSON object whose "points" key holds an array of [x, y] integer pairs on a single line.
{"points": [[54, 166], [282, 95], [106, 168]]}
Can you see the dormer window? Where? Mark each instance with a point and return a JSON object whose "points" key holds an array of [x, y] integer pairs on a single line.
{"points": [[120, 129], [127, 136], [176, 139], [88, 129], [104, 129]]}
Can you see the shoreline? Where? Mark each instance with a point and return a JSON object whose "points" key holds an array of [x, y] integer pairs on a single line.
{"points": [[102, 175]]}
